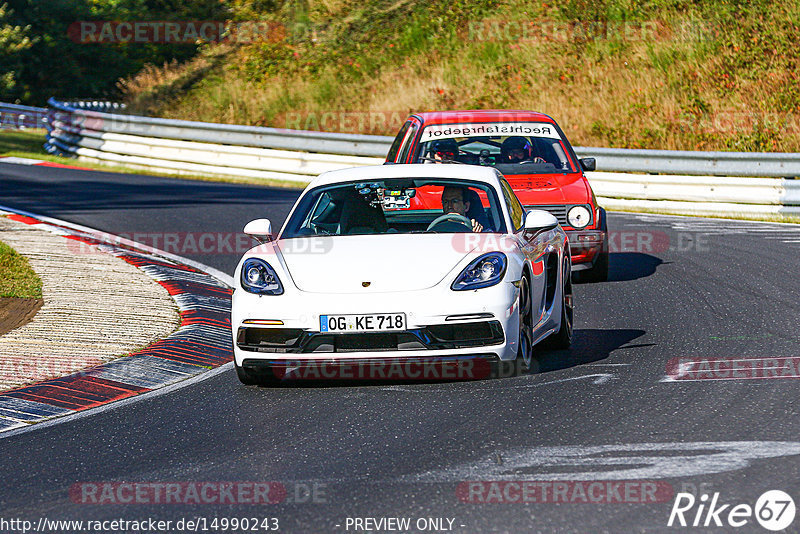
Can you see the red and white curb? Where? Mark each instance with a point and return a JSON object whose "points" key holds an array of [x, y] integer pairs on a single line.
{"points": [[201, 343], [39, 162]]}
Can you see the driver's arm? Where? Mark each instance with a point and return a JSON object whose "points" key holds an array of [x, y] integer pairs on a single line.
{"points": [[476, 226]]}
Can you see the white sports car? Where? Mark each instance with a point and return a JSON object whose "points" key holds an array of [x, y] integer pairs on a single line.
{"points": [[398, 263]]}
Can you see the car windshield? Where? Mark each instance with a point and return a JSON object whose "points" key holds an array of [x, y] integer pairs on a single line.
{"points": [[397, 206], [512, 148]]}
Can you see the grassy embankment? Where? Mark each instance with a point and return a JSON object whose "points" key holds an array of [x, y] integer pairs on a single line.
{"points": [[671, 74]]}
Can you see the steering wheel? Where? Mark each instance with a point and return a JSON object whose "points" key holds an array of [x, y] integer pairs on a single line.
{"points": [[453, 219]]}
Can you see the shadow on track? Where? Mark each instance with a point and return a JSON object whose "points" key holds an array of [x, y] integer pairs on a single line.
{"points": [[588, 346], [627, 266]]}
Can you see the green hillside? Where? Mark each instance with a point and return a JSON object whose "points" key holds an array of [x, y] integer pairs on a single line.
{"points": [[671, 74]]}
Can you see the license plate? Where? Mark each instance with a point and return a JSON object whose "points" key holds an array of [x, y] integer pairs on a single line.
{"points": [[374, 322]]}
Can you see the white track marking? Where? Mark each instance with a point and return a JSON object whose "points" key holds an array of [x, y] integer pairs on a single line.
{"points": [[634, 461], [599, 379]]}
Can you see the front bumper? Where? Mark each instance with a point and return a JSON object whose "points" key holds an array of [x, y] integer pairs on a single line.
{"points": [[433, 337], [440, 323], [585, 246]]}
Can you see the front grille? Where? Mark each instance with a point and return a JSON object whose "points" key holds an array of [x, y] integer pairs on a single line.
{"points": [[466, 334], [272, 337], [434, 337], [560, 212], [362, 342]]}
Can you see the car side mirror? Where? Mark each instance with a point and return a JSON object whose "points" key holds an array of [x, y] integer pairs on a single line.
{"points": [[588, 164], [261, 229], [537, 221]]}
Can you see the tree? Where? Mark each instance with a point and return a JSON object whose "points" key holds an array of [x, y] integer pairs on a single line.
{"points": [[55, 63], [13, 40]]}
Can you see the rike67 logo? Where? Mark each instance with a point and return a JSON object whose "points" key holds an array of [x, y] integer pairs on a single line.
{"points": [[774, 510]]}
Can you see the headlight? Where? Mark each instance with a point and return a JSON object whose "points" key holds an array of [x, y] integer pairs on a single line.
{"points": [[258, 277], [579, 217], [486, 271]]}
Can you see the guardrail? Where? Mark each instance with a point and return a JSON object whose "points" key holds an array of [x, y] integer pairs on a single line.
{"points": [[708, 183], [17, 117], [102, 106], [227, 134], [698, 195], [775, 164]]}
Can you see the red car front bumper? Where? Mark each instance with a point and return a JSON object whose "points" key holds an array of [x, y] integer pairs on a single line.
{"points": [[585, 246]]}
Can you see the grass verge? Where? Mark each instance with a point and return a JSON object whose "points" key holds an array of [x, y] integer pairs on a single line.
{"points": [[22, 142], [17, 279]]}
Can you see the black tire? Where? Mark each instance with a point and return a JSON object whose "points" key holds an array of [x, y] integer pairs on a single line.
{"points": [[525, 346], [563, 338], [246, 377]]}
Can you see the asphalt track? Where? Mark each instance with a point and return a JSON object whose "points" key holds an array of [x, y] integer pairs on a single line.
{"points": [[679, 288]]}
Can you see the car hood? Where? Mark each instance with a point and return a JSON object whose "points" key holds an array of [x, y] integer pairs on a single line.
{"points": [[544, 189], [385, 263]]}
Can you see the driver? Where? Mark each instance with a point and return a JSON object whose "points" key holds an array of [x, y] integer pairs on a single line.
{"points": [[453, 202], [443, 150], [518, 150]]}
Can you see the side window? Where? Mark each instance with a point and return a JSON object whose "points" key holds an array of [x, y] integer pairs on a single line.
{"points": [[515, 209], [398, 141], [412, 134]]}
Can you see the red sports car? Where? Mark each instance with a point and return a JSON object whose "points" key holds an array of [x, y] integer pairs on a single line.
{"points": [[534, 155]]}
